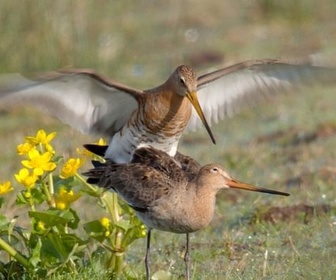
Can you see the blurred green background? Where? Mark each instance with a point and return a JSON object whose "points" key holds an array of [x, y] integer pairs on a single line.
{"points": [[287, 143]]}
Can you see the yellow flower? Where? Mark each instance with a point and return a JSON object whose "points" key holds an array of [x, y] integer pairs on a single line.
{"points": [[70, 168], [101, 142], [42, 138], [5, 187], [40, 226], [105, 222], [26, 179], [65, 197], [39, 162], [143, 231], [24, 148]]}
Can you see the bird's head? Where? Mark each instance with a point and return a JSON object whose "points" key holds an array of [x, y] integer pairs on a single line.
{"points": [[184, 80], [217, 178]]}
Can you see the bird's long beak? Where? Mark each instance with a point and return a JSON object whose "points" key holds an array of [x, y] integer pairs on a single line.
{"points": [[243, 186], [192, 96]]}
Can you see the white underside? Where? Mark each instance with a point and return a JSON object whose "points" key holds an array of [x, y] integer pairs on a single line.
{"points": [[121, 148]]}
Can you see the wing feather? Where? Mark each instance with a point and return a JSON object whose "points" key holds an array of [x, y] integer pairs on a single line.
{"points": [[224, 92], [80, 98]]}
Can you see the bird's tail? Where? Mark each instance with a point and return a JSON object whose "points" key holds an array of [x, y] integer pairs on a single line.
{"points": [[94, 175], [98, 150]]}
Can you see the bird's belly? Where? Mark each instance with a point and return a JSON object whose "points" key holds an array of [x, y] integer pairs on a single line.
{"points": [[166, 224], [124, 143], [173, 216]]}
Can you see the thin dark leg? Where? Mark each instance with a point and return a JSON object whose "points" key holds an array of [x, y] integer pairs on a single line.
{"points": [[187, 258], [147, 261]]}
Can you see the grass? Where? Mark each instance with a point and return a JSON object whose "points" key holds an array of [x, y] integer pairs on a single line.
{"points": [[286, 144]]}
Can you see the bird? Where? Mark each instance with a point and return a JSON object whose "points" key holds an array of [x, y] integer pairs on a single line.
{"points": [[133, 118], [174, 194]]}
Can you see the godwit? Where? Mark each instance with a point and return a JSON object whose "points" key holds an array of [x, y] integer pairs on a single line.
{"points": [[166, 194], [134, 118]]}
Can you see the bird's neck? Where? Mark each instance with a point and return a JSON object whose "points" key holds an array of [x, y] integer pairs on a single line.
{"points": [[166, 112], [203, 206]]}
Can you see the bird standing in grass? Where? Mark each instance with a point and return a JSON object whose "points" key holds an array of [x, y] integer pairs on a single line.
{"points": [[169, 194]]}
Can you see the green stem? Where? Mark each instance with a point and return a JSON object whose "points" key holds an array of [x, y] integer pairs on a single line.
{"points": [[47, 193], [118, 264], [31, 202], [51, 184], [42, 150], [112, 205], [92, 188], [119, 255], [125, 241], [115, 206], [111, 202], [117, 258], [16, 255]]}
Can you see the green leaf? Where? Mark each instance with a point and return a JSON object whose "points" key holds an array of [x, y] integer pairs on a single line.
{"points": [[57, 159], [38, 195], [125, 207], [95, 230], [55, 217], [20, 199], [48, 218], [123, 225], [59, 182], [3, 222], [73, 224], [36, 253], [96, 192], [59, 246], [93, 227], [11, 226]]}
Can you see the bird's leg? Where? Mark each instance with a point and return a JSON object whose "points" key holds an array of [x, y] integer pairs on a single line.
{"points": [[187, 258], [147, 255]]}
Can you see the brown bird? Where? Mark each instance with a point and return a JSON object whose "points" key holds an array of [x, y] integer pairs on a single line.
{"points": [[156, 117], [169, 194]]}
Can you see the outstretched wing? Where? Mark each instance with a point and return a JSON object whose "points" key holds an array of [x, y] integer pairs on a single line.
{"points": [[224, 92], [80, 98]]}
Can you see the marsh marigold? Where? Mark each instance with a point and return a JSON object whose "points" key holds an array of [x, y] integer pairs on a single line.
{"points": [[40, 163], [42, 138], [65, 197], [5, 187], [25, 148], [70, 167], [25, 178]]}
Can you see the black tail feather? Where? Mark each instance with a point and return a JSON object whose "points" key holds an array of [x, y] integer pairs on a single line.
{"points": [[96, 163], [96, 149], [92, 181]]}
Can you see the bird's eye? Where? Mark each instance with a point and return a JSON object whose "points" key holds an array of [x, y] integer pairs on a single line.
{"points": [[182, 80], [214, 170]]}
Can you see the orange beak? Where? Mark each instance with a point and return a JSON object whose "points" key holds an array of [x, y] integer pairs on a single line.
{"points": [[192, 96], [243, 186]]}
